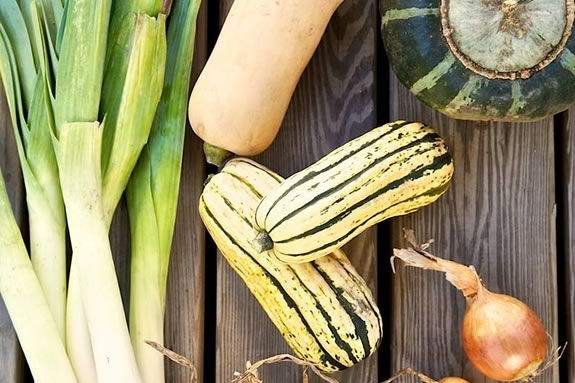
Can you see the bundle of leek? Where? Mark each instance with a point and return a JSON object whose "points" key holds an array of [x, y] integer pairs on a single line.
{"points": [[107, 60]]}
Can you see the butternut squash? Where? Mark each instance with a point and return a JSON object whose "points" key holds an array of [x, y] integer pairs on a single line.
{"points": [[243, 93]]}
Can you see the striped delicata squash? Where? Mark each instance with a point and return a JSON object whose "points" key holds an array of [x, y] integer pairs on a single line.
{"points": [[390, 171], [324, 309]]}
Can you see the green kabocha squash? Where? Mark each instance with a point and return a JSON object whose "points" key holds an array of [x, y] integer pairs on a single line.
{"points": [[510, 60], [324, 309]]}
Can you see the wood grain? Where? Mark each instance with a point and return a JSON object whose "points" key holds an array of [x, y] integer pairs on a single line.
{"points": [[11, 358], [185, 300], [334, 102], [498, 216], [121, 250], [567, 156]]}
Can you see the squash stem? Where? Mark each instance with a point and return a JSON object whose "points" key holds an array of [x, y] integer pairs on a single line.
{"points": [[216, 156], [263, 242]]}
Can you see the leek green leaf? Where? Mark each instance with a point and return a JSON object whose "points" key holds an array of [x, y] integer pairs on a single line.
{"points": [[131, 92], [15, 28], [81, 62]]}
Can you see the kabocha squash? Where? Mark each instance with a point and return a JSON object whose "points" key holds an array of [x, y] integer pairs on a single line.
{"points": [[507, 60], [392, 170], [242, 94], [323, 309]]}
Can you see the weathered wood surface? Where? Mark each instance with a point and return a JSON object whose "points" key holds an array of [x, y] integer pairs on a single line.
{"points": [[334, 102], [11, 359], [567, 234], [498, 216]]}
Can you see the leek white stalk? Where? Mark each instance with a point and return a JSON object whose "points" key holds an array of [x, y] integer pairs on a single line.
{"points": [[152, 196], [79, 150], [27, 306], [23, 51], [78, 147], [78, 341]]}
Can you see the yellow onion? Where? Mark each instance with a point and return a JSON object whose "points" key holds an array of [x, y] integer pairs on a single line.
{"points": [[452, 379], [502, 337]]}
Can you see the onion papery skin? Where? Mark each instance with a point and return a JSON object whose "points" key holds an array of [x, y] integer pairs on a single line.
{"points": [[503, 338]]}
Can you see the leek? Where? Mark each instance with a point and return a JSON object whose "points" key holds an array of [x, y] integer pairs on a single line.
{"points": [[24, 62], [78, 146], [132, 83], [26, 304], [152, 195]]}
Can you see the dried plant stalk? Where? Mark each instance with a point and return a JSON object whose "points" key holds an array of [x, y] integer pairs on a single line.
{"points": [[176, 358], [410, 371], [251, 373]]}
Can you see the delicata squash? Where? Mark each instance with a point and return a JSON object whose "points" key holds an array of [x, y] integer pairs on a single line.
{"points": [[390, 171], [243, 92], [324, 309]]}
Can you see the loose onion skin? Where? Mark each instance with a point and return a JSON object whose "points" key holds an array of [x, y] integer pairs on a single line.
{"points": [[503, 338]]}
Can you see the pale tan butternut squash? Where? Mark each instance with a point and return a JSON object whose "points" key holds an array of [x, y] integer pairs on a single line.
{"points": [[242, 95]]}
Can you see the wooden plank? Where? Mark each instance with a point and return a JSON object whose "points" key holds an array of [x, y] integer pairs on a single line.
{"points": [[121, 250], [11, 358], [185, 302], [567, 146], [334, 102], [184, 330], [498, 215]]}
